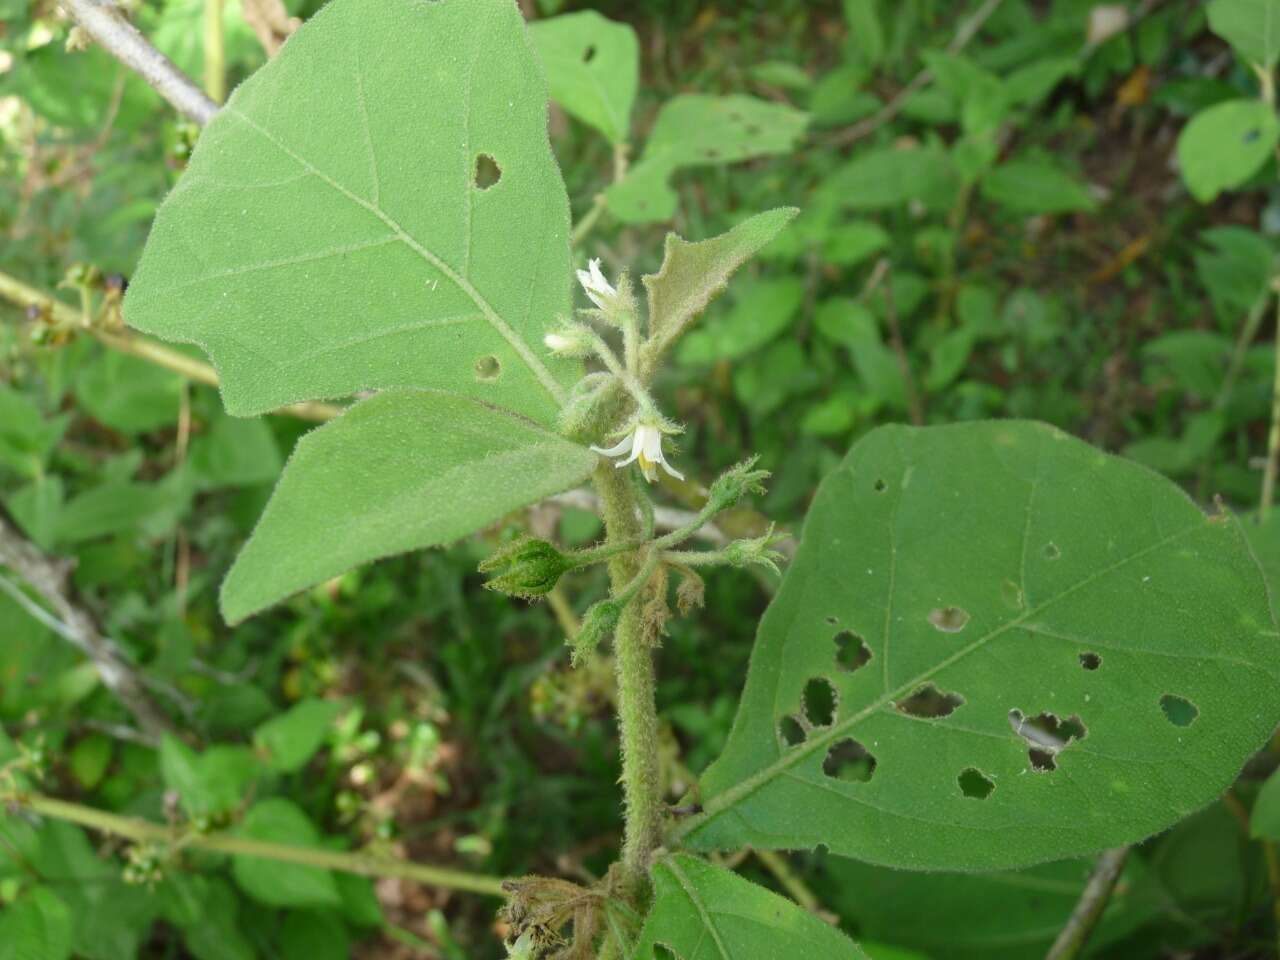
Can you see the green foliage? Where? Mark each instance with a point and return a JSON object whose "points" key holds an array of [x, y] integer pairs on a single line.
{"points": [[283, 884], [1029, 187], [36, 927], [593, 69], [1251, 26], [697, 130], [305, 242], [1224, 146], [1003, 689], [290, 739], [387, 477], [704, 912]]}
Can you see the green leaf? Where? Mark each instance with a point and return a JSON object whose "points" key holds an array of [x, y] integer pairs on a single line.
{"points": [[332, 237], [293, 737], [128, 394], [1251, 26], [696, 130], [1031, 187], [314, 935], [958, 673], [1235, 265], [593, 68], [37, 926], [283, 884], [694, 274], [208, 783], [235, 453], [762, 310], [90, 758], [1224, 146], [400, 471], [888, 177], [1265, 820], [865, 30], [26, 437], [704, 912]]}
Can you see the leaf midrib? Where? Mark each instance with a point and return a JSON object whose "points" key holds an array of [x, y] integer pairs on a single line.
{"points": [[504, 329], [704, 915], [740, 791]]}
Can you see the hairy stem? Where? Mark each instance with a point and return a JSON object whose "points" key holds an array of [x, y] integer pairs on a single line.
{"points": [[145, 831], [637, 709], [1093, 901]]}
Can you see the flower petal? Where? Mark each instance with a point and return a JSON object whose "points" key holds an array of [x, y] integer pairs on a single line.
{"points": [[616, 450]]}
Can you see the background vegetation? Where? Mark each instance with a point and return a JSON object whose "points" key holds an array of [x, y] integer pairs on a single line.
{"points": [[1003, 216]]}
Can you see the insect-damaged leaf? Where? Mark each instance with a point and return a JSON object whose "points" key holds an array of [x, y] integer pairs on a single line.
{"points": [[593, 68], [376, 207], [1053, 651], [704, 912], [404, 470]]}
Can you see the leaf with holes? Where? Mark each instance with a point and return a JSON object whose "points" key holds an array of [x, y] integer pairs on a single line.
{"points": [[1224, 146], [996, 646], [704, 912], [376, 207], [593, 68], [1251, 26], [403, 470], [695, 130]]}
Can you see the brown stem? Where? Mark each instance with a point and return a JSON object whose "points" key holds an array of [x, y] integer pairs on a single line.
{"points": [[1093, 901]]}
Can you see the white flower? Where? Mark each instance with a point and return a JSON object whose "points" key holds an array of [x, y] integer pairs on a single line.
{"points": [[645, 444], [600, 291]]}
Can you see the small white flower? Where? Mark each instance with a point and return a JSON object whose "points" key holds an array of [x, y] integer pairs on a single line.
{"points": [[600, 291], [645, 444]]}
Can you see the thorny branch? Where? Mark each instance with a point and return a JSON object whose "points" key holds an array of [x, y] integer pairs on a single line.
{"points": [[49, 579], [106, 24]]}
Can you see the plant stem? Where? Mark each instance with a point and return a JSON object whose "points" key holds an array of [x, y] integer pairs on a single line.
{"points": [[215, 52], [1093, 901], [637, 708], [791, 881], [369, 866], [1273, 440]]}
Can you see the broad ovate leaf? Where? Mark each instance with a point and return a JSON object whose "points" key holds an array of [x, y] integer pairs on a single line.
{"points": [[694, 274], [1032, 187], [1251, 26], [704, 912], [695, 130], [1225, 145], [376, 207], [401, 471], [277, 884], [996, 646], [593, 68]]}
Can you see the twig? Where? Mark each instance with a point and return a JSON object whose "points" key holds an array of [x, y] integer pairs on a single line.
{"points": [[106, 24], [48, 578], [215, 51], [1093, 901], [144, 831], [967, 30], [197, 371], [271, 22]]}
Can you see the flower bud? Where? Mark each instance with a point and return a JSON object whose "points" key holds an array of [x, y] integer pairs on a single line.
{"points": [[527, 568], [735, 483], [599, 623], [570, 340], [745, 553]]}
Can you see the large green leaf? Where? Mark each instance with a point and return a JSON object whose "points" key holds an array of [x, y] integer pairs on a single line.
{"points": [[338, 228], [593, 68], [1251, 26], [704, 912], [1224, 146], [996, 646], [1031, 187], [36, 926], [400, 471], [283, 884], [696, 130]]}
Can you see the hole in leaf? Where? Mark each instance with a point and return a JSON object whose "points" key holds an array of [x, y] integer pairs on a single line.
{"points": [[1090, 661], [930, 703], [487, 171], [949, 619], [852, 651], [974, 783], [880, 485], [833, 621], [1179, 711], [1046, 736], [662, 952], [848, 760], [488, 368], [791, 731], [711, 153], [820, 702], [1051, 551], [1251, 136], [589, 54]]}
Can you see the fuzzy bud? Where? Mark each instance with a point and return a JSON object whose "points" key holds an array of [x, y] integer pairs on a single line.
{"points": [[526, 568], [570, 340], [598, 625], [745, 553], [736, 482]]}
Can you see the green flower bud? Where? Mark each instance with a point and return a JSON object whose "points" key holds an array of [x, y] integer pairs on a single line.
{"points": [[735, 483], [599, 623], [527, 568], [745, 553]]}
